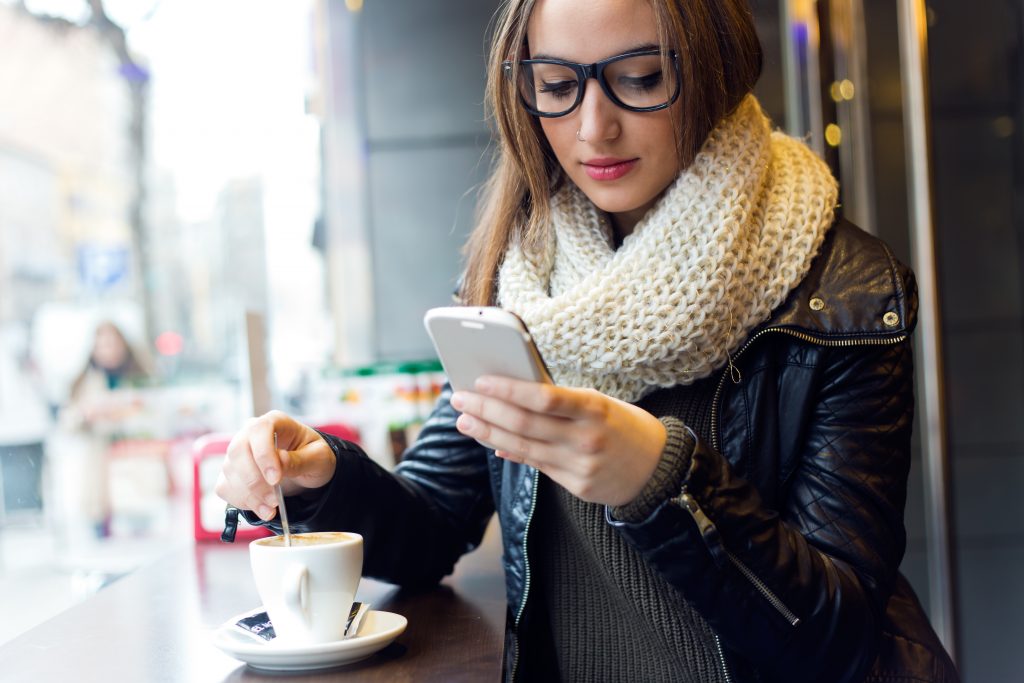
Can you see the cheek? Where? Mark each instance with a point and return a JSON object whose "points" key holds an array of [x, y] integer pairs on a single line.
{"points": [[558, 135], [663, 143]]}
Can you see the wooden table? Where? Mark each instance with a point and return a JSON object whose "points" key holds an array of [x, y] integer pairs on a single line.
{"points": [[155, 624]]}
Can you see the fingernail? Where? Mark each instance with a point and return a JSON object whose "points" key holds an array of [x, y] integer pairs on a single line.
{"points": [[265, 511], [271, 474], [458, 400], [465, 423]]}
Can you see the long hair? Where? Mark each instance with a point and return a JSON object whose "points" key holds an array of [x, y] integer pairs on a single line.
{"points": [[720, 60], [132, 368]]}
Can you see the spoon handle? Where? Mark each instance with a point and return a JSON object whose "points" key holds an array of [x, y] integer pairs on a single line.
{"points": [[281, 508]]}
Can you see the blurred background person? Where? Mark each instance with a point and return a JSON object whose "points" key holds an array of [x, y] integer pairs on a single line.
{"points": [[112, 364], [96, 412]]}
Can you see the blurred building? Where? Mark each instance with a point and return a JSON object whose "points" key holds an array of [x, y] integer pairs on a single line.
{"points": [[224, 262], [65, 182], [64, 170]]}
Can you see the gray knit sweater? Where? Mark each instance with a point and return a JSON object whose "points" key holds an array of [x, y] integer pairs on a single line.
{"points": [[611, 617]]}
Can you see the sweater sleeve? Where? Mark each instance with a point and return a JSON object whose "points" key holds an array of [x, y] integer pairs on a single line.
{"points": [[667, 479]]}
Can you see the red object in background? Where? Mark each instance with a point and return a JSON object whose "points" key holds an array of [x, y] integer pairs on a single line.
{"points": [[170, 343], [342, 431], [216, 446], [205, 447]]}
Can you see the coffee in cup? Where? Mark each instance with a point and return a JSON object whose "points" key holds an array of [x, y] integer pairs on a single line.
{"points": [[308, 588], [313, 538]]}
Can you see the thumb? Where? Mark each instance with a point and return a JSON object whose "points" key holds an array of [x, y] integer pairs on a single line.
{"points": [[311, 465]]}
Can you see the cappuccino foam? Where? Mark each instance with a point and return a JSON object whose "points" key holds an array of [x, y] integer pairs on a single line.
{"points": [[312, 538]]}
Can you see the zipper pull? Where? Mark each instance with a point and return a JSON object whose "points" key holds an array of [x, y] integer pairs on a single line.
{"points": [[734, 372], [230, 524], [707, 528]]}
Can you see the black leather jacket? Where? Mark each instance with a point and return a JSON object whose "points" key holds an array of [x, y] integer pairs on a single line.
{"points": [[789, 529]]}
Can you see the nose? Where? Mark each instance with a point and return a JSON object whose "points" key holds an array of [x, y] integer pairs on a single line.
{"points": [[598, 116]]}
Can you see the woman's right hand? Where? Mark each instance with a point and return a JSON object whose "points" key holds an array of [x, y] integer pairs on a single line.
{"points": [[302, 460]]}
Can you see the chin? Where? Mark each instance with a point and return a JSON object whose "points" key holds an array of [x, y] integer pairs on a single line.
{"points": [[613, 200]]}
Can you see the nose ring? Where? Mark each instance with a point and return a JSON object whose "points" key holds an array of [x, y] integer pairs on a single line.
{"points": [[578, 136]]}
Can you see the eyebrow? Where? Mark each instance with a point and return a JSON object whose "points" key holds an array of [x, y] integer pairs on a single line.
{"points": [[638, 48]]}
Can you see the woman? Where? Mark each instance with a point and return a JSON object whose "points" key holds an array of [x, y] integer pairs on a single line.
{"points": [[720, 471], [112, 364], [95, 413]]}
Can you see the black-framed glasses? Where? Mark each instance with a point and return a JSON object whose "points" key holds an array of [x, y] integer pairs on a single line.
{"points": [[634, 81]]}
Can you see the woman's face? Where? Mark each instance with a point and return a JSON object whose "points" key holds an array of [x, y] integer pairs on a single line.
{"points": [[109, 351], [627, 158]]}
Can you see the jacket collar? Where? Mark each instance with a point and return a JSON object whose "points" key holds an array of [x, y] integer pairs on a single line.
{"points": [[855, 290]]}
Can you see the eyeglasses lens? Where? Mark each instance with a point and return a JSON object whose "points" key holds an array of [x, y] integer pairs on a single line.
{"points": [[548, 88], [638, 82]]}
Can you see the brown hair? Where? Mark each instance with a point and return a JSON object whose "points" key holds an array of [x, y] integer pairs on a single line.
{"points": [[131, 369], [720, 60]]}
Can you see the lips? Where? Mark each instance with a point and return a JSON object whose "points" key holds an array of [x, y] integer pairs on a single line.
{"points": [[608, 168]]}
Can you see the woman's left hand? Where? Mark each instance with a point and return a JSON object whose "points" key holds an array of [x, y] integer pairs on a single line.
{"points": [[599, 448]]}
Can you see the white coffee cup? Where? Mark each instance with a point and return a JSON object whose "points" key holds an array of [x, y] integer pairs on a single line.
{"points": [[308, 588]]}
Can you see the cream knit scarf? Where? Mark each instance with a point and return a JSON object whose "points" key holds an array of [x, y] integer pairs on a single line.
{"points": [[732, 235]]}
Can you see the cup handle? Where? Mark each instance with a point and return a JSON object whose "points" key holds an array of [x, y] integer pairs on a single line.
{"points": [[295, 590]]}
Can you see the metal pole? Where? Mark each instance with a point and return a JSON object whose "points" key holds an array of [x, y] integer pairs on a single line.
{"points": [[349, 250], [792, 48], [801, 46], [850, 94], [931, 394]]}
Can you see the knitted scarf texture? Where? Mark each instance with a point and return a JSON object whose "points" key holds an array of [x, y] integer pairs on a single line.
{"points": [[724, 245]]}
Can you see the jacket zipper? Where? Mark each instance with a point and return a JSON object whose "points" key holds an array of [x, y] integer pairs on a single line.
{"points": [[526, 580], [703, 523], [772, 599], [830, 343], [721, 660], [720, 554]]}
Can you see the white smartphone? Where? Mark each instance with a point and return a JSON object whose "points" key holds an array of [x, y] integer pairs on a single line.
{"points": [[475, 341]]}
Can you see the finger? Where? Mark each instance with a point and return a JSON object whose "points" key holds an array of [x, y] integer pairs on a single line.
{"points": [[244, 480], [240, 466], [552, 467], [261, 443], [310, 466], [544, 398], [529, 451], [226, 491], [505, 455], [512, 418], [245, 498]]}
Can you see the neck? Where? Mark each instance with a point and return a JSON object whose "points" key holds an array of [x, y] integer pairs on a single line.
{"points": [[624, 222]]}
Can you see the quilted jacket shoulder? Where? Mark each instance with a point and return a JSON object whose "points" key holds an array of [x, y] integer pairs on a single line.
{"points": [[855, 288]]}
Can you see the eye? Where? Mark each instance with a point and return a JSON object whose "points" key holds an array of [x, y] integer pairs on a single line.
{"points": [[558, 89], [642, 82]]}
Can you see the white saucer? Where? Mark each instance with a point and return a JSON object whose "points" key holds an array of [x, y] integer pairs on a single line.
{"points": [[376, 633]]}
